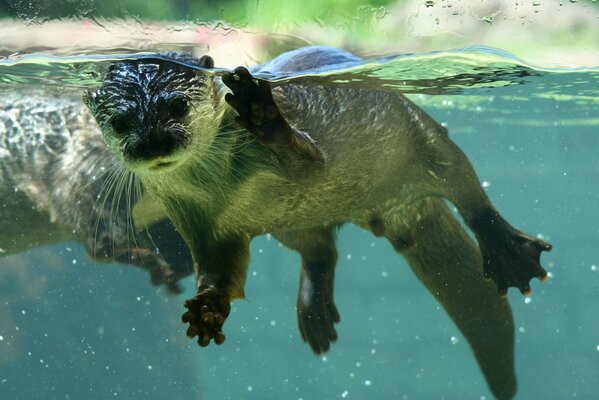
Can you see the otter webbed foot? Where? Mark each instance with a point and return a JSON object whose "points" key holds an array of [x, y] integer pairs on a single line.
{"points": [[317, 316], [259, 114], [511, 258], [207, 313]]}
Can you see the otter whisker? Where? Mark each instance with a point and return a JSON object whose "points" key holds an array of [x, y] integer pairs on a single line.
{"points": [[103, 196]]}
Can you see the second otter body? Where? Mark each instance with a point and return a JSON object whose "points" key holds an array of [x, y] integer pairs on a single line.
{"points": [[307, 159]]}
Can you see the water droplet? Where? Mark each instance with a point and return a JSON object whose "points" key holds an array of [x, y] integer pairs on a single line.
{"points": [[486, 184], [1, 338], [368, 382], [594, 267], [250, 388], [273, 323], [149, 367], [344, 394], [348, 257], [454, 340], [527, 300]]}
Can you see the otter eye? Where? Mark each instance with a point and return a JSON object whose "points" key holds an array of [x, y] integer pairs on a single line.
{"points": [[120, 124], [179, 108]]}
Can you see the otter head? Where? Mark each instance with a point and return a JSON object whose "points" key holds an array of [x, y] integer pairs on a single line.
{"points": [[152, 112]]}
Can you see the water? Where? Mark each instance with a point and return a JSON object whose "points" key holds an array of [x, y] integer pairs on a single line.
{"points": [[71, 328]]}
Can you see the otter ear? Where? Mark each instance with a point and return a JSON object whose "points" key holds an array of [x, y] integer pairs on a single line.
{"points": [[89, 98], [206, 62]]}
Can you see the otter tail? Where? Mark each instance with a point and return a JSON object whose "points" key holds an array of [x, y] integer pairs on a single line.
{"points": [[447, 261]]}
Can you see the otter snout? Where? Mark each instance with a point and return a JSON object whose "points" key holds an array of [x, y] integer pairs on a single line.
{"points": [[154, 149]]}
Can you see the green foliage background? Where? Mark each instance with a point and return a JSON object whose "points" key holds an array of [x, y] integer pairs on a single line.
{"points": [[258, 12]]}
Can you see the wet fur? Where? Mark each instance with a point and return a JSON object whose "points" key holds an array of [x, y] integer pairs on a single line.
{"points": [[386, 165]]}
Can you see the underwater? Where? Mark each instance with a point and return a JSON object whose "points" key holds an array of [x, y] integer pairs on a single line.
{"points": [[94, 276]]}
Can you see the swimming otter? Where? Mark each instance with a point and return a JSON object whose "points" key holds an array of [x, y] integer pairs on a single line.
{"points": [[307, 159], [55, 185]]}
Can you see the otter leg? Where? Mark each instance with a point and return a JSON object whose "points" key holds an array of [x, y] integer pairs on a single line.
{"points": [[258, 113], [316, 311], [511, 258], [221, 268], [115, 244], [448, 263]]}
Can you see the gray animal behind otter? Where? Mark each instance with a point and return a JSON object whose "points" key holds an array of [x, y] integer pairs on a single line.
{"points": [[307, 159], [59, 182]]}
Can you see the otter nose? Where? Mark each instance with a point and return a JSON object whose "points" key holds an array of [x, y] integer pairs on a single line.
{"points": [[149, 146]]}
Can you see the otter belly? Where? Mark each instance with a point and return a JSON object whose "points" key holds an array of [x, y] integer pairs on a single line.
{"points": [[269, 204]]}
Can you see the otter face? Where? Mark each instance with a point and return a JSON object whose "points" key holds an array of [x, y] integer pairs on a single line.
{"points": [[146, 109]]}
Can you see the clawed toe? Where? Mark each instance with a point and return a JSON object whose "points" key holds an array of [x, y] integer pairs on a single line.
{"points": [[206, 314], [512, 259]]}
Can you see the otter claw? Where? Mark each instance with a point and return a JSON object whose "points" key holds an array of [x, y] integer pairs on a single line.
{"points": [[510, 258]]}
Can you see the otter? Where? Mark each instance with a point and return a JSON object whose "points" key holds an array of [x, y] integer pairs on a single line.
{"points": [[58, 182], [231, 156]]}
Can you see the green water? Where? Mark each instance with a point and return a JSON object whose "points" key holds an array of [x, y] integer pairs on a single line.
{"points": [[73, 329]]}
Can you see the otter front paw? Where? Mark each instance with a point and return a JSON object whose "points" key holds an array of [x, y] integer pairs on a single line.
{"points": [[317, 317], [511, 258], [258, 113], [207, 313]]}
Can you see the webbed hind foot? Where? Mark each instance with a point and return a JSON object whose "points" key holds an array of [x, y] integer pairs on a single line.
{"points": [[511, 258], [317, 315]]}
